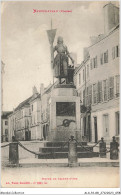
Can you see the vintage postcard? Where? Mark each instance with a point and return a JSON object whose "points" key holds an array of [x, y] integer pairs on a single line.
{"points": [[60, 94]]}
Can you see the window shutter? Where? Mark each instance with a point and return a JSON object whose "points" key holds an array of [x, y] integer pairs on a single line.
{"points": [[113, 53], [107, 56], [118, 50], [112, 84], [91, 64], [101, 58], [91, 94], [96, 62], [101, 91], [111, 88], [108, 86], [98, 92], [83, 97]]}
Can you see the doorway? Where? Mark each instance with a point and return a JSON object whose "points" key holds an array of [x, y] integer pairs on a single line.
{"points": [[89, 128], [95, 129], [47, 129], [27, 135], [106, 126], [44, 132], [84, 126], [117, 123]]}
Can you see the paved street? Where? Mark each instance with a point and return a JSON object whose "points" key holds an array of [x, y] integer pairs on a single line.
{"points": [[55, 176]]}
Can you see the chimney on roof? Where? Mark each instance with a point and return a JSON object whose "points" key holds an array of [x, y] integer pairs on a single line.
{"points": [[34, 90], [85, 53], [41, 88], [111, 17], [93, 40]]}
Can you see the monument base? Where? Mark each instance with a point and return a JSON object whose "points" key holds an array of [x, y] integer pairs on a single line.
{"points": [[64, 113], [65, 86], [63, 135]]}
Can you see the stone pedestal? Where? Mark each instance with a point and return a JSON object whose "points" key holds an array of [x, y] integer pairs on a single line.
{"points": [[64, 114], [13, 153]]}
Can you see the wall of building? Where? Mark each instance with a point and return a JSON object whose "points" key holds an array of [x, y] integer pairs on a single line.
{"points": [[111, 112], [22, 123], [106, 69], [103, 63], [35, 122], [5, 131]]}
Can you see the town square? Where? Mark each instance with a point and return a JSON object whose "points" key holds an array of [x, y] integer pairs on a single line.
{"points": [[60, 119]]}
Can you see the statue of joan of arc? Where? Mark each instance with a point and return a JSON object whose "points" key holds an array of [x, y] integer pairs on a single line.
{"points": [[60, 64]]}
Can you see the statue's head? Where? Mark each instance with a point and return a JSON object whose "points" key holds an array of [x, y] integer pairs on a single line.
{"points": [[60, 40]]}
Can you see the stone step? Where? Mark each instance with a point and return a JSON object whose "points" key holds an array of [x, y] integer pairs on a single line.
{"points": [[64, 149], [61, 155], [60, 144]]}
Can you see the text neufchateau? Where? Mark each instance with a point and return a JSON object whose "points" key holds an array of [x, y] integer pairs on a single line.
{"points": [[52, 11]]}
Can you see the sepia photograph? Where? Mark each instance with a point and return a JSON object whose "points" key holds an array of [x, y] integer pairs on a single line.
{"points": [[60, 94]]}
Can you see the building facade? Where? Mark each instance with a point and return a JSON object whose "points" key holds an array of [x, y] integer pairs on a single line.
{"points": [[5, 126], [97, 80], [24, 122], [46, 109], [35, 116]]}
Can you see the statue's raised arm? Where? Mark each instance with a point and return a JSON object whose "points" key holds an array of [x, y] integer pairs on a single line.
{"points": [[68, 54]]}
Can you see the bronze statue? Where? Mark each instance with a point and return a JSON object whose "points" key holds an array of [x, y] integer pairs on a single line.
{"points": [[60, 64]]}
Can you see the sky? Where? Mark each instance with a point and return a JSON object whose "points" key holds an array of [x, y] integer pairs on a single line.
{"points": [[25, 49]]}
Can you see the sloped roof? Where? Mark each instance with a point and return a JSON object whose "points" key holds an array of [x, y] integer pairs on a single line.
{"points": [[106, 35], [5, 114], [24, 103], [35, 97], [82, 63]]}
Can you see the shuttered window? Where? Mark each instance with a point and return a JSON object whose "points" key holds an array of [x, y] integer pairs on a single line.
{"points": [[95, 62], [94, 93], [91, 64], [106, 57], [105, 90], [83, 75], [79, 79], [111, 88], [117, 51], [100, 91], [84, 97], [101, 58], [87, 71], [6, 131], [113, 53], [87, 98], [90, 94], [117, 85]]}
